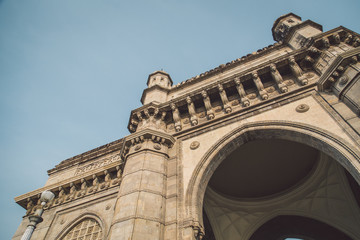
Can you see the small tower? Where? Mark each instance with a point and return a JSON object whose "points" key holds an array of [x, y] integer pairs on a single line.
{"points": [[159, 83], [290, 29]]}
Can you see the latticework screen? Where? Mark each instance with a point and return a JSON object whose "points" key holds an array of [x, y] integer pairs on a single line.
{"points": [[87, 229]]}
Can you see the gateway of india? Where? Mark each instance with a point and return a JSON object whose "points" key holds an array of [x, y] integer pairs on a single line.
{"points": [[265, 147]]}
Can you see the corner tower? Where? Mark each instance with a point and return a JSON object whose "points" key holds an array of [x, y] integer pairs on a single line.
{"points": [[290, 29], [158, 83]]}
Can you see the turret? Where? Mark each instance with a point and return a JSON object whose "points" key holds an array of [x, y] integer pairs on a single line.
{"points": [[290, 29], [159, 83]]}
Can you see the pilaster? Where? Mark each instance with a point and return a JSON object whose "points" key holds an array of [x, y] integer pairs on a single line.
{"points": [[141, 204]]}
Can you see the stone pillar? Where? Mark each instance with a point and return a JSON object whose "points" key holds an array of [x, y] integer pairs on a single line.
{"points": [[140, 207]]}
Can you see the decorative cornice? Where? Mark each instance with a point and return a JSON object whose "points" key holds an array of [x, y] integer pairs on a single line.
{"points": [[113, 172], [89, 155], [157, 137], [338, 66]]}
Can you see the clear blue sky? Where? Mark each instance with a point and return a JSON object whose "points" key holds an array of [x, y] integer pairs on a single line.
{"points": [[72, 70]]}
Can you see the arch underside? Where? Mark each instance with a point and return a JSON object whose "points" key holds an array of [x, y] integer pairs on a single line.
{"points": [[286, 226], [324, 196], [342, 152]]}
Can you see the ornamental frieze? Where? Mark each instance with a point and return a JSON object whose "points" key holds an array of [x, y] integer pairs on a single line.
{"points": [[97, 164]]}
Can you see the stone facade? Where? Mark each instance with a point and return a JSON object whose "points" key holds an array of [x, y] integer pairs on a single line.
{"points": [[154, 183]]}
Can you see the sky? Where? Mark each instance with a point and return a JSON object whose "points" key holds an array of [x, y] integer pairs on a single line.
{"points": [[72, 70]]}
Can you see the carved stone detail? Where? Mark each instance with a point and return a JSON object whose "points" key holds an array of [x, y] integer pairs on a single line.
{"points": [[207, 103], [302, 108], [118, 176], [29, 206], [149, 139], [278, 79], [157, 146], [95, 184], [191, 108], [83, 188], [194, 145], [98, 164], [176, 117], [259, 86], [297, 71], [325, 42], [224, 99], [150, 117]]}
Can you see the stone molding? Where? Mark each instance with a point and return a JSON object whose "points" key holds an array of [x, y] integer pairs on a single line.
{"points": [[137, 216], [145, 169]]}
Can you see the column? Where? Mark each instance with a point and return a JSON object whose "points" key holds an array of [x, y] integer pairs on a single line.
{"points": [[140, 207]]}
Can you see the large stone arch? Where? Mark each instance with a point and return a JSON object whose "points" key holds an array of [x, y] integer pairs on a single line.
{"points": [[334, 146]]}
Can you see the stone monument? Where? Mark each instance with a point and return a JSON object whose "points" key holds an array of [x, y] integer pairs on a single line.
{"points": [[263, 147]]}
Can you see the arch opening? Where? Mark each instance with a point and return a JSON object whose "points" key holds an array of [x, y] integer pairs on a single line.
{"points": [[216, 172], [296, 227], [261, 168]]}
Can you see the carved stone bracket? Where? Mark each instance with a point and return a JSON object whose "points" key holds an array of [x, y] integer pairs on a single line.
{"points": [[208, 107], [224, 99], [176, 117], [192, 112], [147, 139], [243, 99], [259, 86], [147, 117], [297, 71], [278, 79]]}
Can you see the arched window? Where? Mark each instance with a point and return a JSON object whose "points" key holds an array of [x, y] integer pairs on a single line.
{"points": [[86, 229]]}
